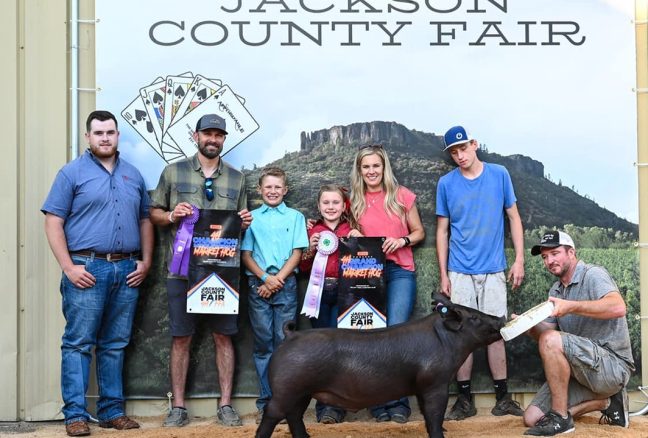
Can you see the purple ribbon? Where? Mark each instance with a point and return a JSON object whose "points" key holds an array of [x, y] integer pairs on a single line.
{"points": [[182, 243]]}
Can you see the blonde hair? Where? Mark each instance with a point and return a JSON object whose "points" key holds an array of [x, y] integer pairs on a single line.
{"points": [[273, 171], [389, 185]]}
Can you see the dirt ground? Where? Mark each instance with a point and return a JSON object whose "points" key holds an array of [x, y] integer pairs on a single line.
{"points": [[358, 426]]}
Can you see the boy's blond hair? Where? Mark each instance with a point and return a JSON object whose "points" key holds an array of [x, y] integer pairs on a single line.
{"points": [[273, 171]]}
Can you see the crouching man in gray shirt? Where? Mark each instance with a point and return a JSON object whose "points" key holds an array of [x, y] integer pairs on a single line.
{"points": [[584, 344]]}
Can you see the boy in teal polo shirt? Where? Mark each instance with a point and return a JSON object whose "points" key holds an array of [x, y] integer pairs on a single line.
{"points": [[271, 251]]}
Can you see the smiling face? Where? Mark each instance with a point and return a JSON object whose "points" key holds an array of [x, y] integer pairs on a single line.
{"points": [[103, 138], [210, 142], [371, 169], [559, 260], [272, 190], [464, 154], [331, 206]]}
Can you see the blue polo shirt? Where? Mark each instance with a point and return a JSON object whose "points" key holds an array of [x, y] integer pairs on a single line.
{"points": [[272, 236], [102, 211]]}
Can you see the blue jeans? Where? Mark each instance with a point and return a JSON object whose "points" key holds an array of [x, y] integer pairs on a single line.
{"points": [[101, 317], [327, 317], [267, 318], [401, 296], [328, 313]]}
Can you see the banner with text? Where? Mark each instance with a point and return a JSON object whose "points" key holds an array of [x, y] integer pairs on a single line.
{"points": [[362, 300], [214, 265]]}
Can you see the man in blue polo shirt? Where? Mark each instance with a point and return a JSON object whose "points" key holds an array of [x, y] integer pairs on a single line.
{"points": [[97, 225]]}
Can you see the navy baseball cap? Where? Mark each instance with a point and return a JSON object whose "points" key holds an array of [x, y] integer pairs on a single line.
{"points": [[211, 121], [552, 239], [456, 135]]}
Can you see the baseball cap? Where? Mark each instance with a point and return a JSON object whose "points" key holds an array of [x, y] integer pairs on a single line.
{"points": [[456, 135], [552, 239], [211, 121]]}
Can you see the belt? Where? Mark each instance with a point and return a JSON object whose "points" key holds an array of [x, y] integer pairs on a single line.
{"points": [[111, 257], [330, 282]]}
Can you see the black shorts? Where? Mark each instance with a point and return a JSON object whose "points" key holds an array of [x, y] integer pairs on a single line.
{"points": [[184, 324]]}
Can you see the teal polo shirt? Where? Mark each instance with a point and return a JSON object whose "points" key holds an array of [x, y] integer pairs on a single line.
{"points": [[272, 236]]}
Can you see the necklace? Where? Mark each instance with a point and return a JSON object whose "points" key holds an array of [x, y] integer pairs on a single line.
{"points": [[373, 198]]}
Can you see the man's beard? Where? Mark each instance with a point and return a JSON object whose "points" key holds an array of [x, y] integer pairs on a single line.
{"points": [[211, 154]]}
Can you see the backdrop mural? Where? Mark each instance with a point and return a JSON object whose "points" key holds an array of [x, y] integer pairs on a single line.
{"points": [[545, 87]]}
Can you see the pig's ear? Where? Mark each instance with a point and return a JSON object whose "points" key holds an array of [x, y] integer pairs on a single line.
{"points": [[441, 308], [438, 297], [452, 320]]}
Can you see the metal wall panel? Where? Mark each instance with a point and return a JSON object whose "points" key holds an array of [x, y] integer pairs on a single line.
{"points": [[44, 133], [9, 47]]}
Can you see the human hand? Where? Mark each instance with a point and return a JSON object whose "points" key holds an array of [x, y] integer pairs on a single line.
{"points": [[355, 233], [136, 277], [264, 292], [392, 244], [313, 241], [516, 274], [79, 277], [181, 210], [310, 223], [561, 307], [445, 286], [246, 218], [273, 282]]}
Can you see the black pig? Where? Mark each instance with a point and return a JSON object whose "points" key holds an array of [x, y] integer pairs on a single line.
{"points": [[357, 369]]}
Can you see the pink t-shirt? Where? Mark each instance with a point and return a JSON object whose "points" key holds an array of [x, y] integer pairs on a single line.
{"points": [[375, 222]]}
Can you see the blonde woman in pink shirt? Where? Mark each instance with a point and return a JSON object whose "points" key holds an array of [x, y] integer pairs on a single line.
{"points": [[380, 207]]}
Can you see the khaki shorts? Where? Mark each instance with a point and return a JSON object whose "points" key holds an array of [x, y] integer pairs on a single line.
{"points": [[596, 373], [484, 292]]}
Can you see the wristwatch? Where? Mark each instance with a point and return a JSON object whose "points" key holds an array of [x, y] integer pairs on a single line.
{"points": [[407, 240]]}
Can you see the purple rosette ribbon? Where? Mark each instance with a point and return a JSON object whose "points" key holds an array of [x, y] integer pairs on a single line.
{"points": [[182, 243], [327, 245]]}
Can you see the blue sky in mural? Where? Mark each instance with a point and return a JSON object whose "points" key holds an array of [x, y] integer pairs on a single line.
{"points": [[570, 106]]}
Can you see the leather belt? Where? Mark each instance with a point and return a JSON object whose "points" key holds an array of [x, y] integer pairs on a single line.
{"points": [[330, 282], [111, 257]]}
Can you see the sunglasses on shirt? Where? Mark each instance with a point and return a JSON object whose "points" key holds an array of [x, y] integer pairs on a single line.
{"points": [[209, 191]]}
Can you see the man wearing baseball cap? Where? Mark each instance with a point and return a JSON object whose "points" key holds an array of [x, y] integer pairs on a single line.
{"points": [[472, 202], [584, 344], [207, 182]]}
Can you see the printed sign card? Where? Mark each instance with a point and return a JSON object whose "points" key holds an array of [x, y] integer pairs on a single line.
{"points": [[362, 297], [214, 263]]}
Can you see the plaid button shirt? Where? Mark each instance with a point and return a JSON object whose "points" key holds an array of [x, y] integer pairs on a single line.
{"points": [[184, 181]]}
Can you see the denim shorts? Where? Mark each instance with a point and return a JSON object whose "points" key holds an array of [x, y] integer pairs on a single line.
{"points": [[596, 373], [182, 323]]}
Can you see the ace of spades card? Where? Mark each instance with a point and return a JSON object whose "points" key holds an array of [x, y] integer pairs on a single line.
{"points": [[240, 123]]}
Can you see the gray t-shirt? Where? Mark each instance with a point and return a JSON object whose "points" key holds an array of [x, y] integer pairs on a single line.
{"points": [[591, 282]]}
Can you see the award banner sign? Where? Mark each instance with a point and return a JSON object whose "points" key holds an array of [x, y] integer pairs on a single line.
{"points": [[214, 263], [361, 292]]}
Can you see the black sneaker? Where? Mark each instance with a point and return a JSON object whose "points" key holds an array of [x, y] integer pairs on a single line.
{"points": [[507, 406], [552, 423], [330, 416], [617, 413], [462, 409]]}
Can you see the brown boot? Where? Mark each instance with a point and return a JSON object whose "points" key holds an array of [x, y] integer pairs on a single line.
{"points": [[77, 428], [120, 423]]}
